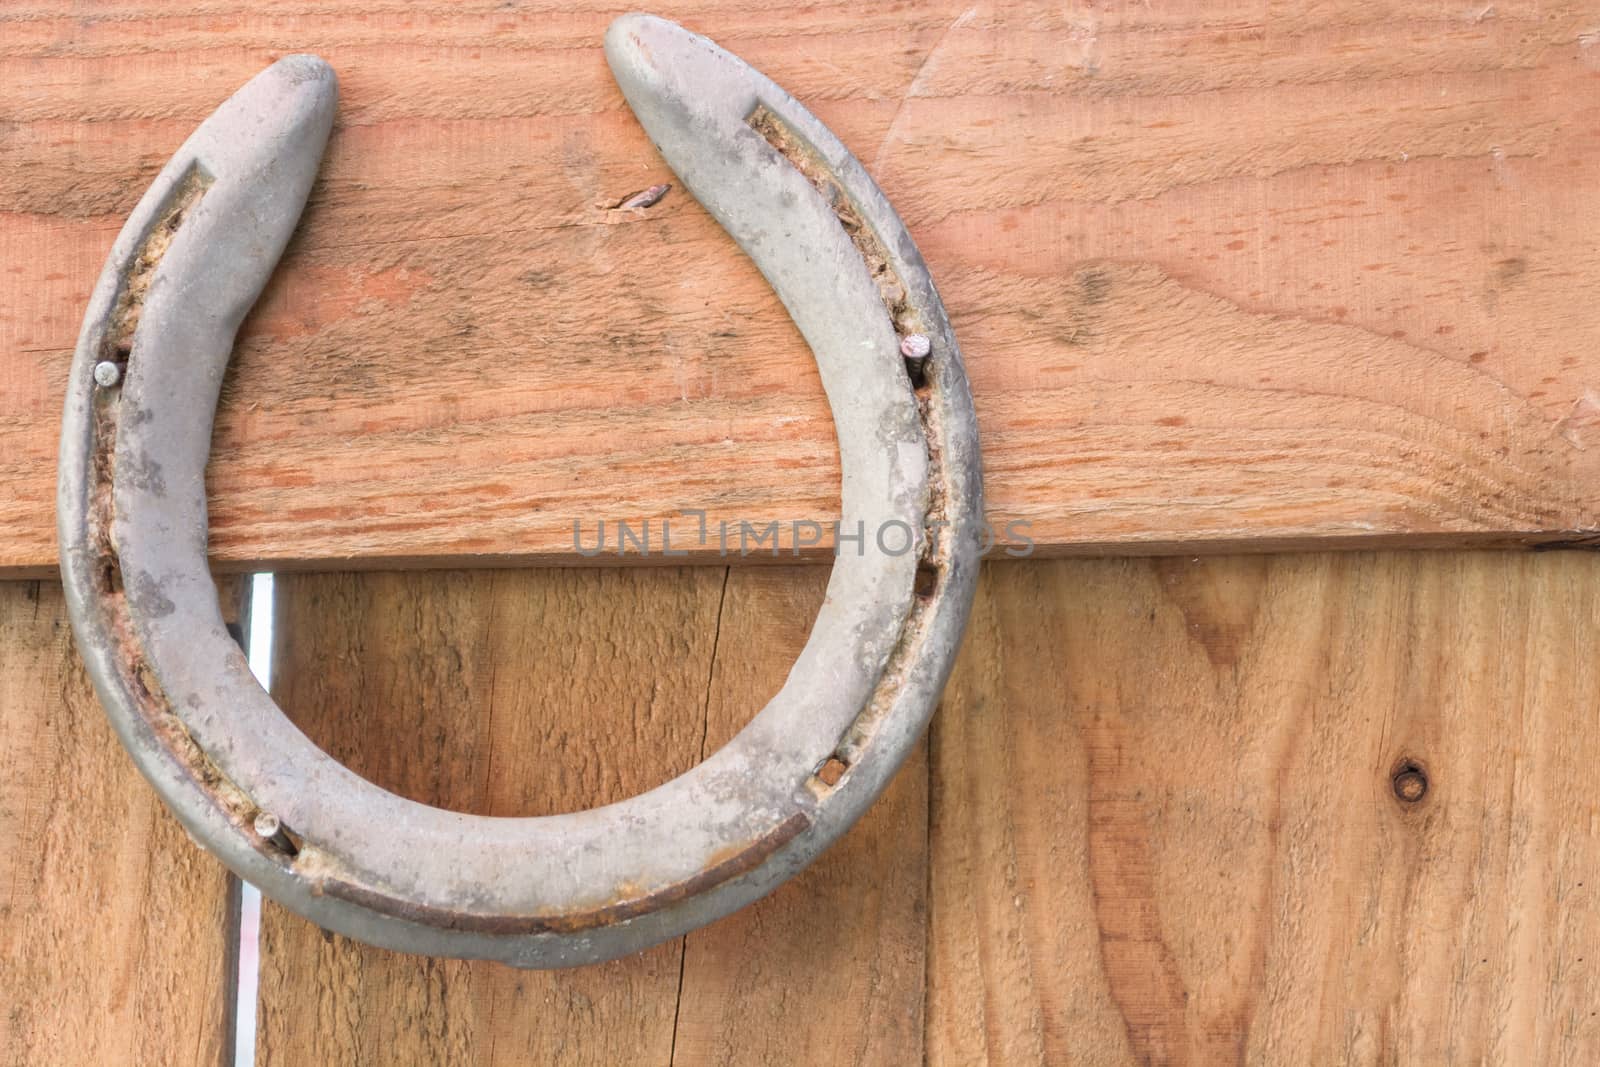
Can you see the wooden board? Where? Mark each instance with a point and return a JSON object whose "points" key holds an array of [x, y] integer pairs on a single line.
{"points": [[1224, 278], [1166, 827], [522, 693], [830, 968], [1164, 822], [118, 936]]}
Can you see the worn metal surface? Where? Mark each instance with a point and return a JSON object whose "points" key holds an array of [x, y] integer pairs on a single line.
{"points": [[554, 890]]}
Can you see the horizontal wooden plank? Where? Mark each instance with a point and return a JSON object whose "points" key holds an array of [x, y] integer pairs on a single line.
{"points": [[1223, 279]]}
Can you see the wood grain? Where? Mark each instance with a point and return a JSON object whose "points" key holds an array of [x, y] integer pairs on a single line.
{"points": [[1226, 275], [1165, 826], [522, 693], [118, 936], [503, 693], [1164, 823], [830, 968]]}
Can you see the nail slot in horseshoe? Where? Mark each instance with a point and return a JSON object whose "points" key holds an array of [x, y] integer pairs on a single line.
{"points": [[554, 890]]}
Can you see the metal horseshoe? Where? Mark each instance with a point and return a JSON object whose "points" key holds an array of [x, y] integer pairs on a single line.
{"points": [[562, 889]]}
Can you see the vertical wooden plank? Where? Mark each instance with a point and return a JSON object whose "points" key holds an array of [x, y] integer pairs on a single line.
{"points": [[535, 691], [117, 934], [830, 968], [503, 693], [1167, 827]]}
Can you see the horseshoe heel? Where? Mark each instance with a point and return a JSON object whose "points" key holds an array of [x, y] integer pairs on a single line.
{"points": [[562, 889]]}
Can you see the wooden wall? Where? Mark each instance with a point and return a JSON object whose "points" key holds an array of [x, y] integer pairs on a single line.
{"points": [[1230, 277], [1157, 821]]}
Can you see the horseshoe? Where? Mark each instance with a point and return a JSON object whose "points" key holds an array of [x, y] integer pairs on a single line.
{"points": [[556, 890]]}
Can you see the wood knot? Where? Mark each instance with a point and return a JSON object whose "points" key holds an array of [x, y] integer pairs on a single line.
{"points": [[1410, 782]]}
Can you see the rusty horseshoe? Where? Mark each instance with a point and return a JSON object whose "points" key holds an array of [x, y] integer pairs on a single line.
{"points": [[563, 889]]}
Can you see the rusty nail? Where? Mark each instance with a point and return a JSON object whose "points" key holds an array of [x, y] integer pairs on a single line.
{"points": [[270, 829], [646, 197], [832, 770]]}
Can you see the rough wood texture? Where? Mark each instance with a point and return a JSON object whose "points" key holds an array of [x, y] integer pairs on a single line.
{"points": [[1166, 829], [1224, 275], [830, 968], [117, 935], [532, 692], [1164, 817]]}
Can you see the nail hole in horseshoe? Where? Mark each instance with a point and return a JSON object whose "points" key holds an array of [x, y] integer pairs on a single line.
{"points": [[832, 770], [185, 194], [792, 146], [915, 346], [917, 371]]}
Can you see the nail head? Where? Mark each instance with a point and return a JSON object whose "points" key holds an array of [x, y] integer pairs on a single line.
{"points": [[915, 346]]}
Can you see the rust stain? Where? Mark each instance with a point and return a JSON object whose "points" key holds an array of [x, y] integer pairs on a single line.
{"points": [[800, 155], [907, 317], [723, 867], [141, 271], [832, 771], [137, 677]]}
